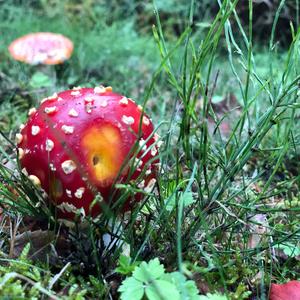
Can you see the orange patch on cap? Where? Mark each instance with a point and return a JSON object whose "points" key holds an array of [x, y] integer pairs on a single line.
{"points": [[103, 148]]}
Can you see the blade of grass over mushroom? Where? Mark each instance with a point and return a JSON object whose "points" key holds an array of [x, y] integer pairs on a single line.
{"points": [[145, 100]]}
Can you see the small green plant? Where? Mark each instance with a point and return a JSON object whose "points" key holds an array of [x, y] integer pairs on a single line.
{"points": [[151, 280], [126, 267]]}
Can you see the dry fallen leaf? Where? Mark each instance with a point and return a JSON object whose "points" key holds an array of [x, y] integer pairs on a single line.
{"points": [[39, 242], [286, 291], [43, 244]]}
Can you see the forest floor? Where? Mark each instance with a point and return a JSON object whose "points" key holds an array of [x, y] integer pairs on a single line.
{"points": [[222, 221]]}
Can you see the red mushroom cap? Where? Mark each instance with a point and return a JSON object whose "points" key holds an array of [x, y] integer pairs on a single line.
{"points": [[77, 142], [41, 48]]}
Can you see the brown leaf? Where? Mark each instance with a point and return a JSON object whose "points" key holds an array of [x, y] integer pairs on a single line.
{"points": [[43, 244], [39, 243], [286, 291]]}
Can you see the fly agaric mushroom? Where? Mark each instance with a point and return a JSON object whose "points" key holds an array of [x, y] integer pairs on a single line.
{"points": [[78, 141], [41, 48]]}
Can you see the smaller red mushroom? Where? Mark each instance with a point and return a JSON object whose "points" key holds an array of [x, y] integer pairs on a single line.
{"points": [[79, 142], [41, 48]]}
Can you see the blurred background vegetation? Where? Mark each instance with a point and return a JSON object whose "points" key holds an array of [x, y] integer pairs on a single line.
{"points": [[114, 44], [113, 39]]}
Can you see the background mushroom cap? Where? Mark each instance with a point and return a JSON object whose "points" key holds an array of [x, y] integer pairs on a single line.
{"points": [[41, 48], [77, 141]]}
